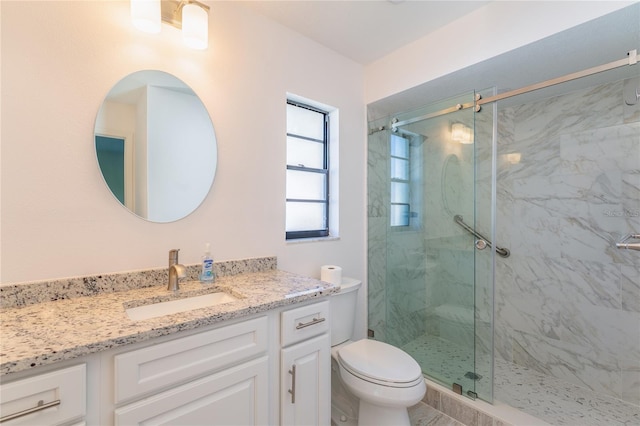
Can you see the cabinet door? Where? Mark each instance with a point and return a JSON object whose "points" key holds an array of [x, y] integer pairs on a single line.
{"points": [[236, 396], [305, 389]]}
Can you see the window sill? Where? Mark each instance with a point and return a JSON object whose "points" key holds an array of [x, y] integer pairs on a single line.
{"points": [[312, 240]]}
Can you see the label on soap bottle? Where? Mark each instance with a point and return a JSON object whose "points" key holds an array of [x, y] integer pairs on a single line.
{"points": [[207, 270]]}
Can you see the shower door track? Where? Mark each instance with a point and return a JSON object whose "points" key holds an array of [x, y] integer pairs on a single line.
{"points": [[631, 59]]}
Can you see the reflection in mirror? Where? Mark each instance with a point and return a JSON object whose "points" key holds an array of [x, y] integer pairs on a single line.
{"points": [[155, 145]]}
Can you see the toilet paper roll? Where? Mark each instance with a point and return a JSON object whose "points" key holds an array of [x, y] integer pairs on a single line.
{"points": [[331, 274]]}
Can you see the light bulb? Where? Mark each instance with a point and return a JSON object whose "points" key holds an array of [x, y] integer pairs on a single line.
{"points": [[195, 26], [145, 15]]}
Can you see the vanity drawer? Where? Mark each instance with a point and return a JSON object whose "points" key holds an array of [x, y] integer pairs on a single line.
{"points": [[160, 366], [46, 399], [305, 322]]}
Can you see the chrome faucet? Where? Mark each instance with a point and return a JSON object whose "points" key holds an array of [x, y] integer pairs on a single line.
{"points": [[176, 271]]}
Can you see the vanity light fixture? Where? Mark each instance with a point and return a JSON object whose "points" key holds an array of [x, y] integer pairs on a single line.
{"points": [[461, 133], [191, 16]]}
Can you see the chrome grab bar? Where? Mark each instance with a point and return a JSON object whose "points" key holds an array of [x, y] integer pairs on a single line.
{"points": [[502, 252], [624, 244]]}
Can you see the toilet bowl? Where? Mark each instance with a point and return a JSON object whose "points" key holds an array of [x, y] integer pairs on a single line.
{"points": [[383, 379]]}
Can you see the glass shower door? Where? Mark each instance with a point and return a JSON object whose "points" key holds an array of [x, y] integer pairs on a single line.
{"points": [[422, 261]]}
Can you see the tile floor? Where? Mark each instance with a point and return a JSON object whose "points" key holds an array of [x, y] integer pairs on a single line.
{"points": [[547, 398], [425, 415]]}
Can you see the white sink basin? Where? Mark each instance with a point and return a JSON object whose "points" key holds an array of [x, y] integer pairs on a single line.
{"points": [[181, 305]]}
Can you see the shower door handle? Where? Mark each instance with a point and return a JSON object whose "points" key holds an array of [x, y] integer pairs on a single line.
{"points": [[481, 244]]}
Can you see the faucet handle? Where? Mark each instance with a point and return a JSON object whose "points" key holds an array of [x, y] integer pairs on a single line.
{"points": [[173, 256]]}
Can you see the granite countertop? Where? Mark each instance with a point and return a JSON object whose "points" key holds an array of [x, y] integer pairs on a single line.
{"points": [[52, 331]]}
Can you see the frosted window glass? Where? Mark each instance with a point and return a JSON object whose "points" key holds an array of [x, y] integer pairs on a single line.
{"points": [[399, 169], [304, 153], [399, 146], [399, 192], [399, 215], [305, 185], [305, 216], [304, 122]]}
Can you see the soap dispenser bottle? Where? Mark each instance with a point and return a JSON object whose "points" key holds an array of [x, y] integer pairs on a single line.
{"points": [[206, 275]]}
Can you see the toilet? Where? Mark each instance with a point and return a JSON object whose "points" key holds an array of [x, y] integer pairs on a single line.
{"points": [[372, 383]]}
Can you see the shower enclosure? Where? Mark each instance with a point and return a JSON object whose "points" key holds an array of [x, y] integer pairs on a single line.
{"points": [[431, 261], [494, 240]]}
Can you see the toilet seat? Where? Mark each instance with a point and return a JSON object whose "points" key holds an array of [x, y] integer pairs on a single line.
{"points": [[380, 363]]}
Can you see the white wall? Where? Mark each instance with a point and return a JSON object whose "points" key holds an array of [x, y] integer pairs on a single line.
{"points": [[496, 28], [181, 155], [58, 218]]}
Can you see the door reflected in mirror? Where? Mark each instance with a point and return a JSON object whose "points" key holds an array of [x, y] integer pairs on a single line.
{"points": [[156, 146]]}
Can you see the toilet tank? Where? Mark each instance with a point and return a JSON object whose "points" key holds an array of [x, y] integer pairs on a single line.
{"points": [[343, 310]]}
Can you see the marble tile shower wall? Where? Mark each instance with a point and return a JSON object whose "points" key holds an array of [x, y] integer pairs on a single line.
{"points": [[567, 301]]}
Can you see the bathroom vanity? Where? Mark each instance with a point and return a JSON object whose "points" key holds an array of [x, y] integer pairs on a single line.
{"points": [[262, 358]]}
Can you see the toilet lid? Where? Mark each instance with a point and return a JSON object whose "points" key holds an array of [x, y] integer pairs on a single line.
{"points": [[380, 362]]}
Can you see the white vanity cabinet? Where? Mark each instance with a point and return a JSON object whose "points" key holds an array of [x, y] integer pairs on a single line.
{"points": [[236, 372], [218, 376], [305, 366], [53, 398]]}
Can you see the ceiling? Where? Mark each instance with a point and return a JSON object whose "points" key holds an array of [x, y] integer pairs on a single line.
{"points": [[364, 30]]}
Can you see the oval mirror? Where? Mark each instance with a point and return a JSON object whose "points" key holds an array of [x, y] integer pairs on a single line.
{"points": [[155, 145]]}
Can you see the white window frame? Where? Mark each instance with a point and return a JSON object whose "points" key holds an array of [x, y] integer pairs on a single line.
{"points": [[326, 171]]}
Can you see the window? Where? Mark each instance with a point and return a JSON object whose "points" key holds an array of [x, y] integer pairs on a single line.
{"points": [[307, 171], [400, 183]]}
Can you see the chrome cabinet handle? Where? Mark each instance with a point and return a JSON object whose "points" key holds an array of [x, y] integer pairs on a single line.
{"points": [[292, 391], [312, 322], [41, 406]]}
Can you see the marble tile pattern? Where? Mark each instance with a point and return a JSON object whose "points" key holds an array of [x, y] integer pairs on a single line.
{"points": [[23, 294], [544, 397], [567, 300], [40, 334], [559, 402], [457, 409], [422, 414]]}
